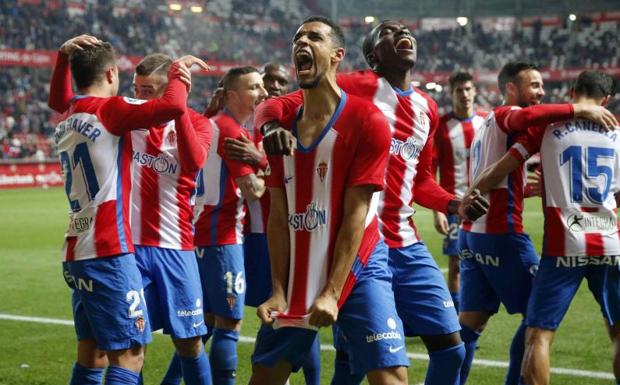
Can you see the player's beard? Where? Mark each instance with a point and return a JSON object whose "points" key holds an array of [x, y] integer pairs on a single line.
{"points": [[311, 83]]}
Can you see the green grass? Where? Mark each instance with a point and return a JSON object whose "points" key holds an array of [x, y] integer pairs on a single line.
{"points": [[32, 224]]}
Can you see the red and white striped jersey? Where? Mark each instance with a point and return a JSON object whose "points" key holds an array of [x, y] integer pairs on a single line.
{"points": [[219, 203], [581, 166], [257, 211], [452, 143], [161, 212], [413, 118], [94, 147], [351, 151]]}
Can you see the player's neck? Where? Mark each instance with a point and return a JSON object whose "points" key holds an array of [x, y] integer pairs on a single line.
{"points": [[586, 100], [463, 112], [400, 78], [97, 91], [238, 113], [321, 101]]}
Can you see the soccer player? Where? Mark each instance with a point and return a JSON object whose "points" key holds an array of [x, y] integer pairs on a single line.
{"points": [[276, 79], [166, 160], [422, 297], [99, 265], [223, 184], [498, 260], [328, 262], [580, 164], [451, 158]]}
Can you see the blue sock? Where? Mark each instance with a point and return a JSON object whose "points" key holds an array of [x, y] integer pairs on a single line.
{"points": [[141, 379], [86, 376], [470, 338], [517, 349], [444, 367], [455, 299], [196, 370], [342, 371], [223, 356], [121, 376], [206, 337], [175, 371], [312, 364]]}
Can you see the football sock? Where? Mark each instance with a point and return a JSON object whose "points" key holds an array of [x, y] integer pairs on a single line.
{"points": [[470, 339], [517, 349], [342, 371], [444, 367], [196, 370], [312, 363], [121, 376], [175, 371], [223, 356], [86, 376]]}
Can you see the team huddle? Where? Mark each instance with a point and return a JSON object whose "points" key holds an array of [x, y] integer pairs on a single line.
{"points": [[300, 205]]}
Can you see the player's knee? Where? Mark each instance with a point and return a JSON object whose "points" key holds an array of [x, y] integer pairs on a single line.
{"points": [[442, 341], [227, 323], [395, 375], [89, 356], [474, 320], [132, 358], [188, 347], [537, 336]]}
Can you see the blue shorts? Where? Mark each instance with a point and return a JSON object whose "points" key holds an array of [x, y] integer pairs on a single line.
{"points": [[496, 268], [368, 320], [451, 241], [172, 290], [108, 301], [223, 279], [422, 297], [257, 269], [557, 281]]}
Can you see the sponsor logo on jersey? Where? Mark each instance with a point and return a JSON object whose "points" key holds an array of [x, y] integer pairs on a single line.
{"points": [[321, 170], [591, 222], [408, 149], [313, 218], [134, 101], [489, 260], [391, 334], [577, 261], [161, 163], [79, 225]]}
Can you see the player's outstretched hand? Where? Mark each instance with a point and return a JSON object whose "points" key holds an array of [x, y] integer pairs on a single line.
{"points": [[441, 222], [184, 64], [473, 206], [277, 140], [78, 43], [596, 114], [324, 311], [275, 304], [242, 149]]}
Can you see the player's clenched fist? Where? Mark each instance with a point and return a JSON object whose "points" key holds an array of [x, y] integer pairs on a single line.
{"points": [[324, 311], [473, 205], [274, 305], [277, 140]]}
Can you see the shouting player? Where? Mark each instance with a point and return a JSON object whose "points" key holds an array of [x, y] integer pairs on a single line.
{"points": [[328, 262], [451, 158], [108, 297], [498, 260], [580, 165]]}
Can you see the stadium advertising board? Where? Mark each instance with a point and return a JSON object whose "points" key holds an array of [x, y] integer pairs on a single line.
{"points": [[30, 174]]}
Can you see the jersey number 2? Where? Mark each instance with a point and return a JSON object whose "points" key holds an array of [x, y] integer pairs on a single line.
{"points": [[81, 158]]}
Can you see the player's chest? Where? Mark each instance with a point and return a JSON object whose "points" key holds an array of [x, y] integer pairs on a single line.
{"points": [[458, 140], [156, 150]]}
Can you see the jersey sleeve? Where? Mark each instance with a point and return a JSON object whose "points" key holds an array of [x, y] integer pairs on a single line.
{"points": [[194, 139], [371, 155], [61, 93], [426, 190], [236, 168], [511, 119], [528, 145], [277, 109]]}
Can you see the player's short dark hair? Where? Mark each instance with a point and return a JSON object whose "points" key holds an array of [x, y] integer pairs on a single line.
{"points": [[595, 84], [336, 34], [88, 65], [229, 81], [157, 63], [510, 72], [459, 77]]}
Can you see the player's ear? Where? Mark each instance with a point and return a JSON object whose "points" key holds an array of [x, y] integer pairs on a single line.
{"points": [[109, 75], [337, 54], [606, 100]]}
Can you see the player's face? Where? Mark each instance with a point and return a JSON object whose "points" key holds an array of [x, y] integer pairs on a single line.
{"points": [[276, 81], [463, 95], [529, 88], [148, 87], [314, 53], [394, 46], [249, 92]]}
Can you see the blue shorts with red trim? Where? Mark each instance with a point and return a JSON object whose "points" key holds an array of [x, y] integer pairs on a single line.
{"points": [[451, 241]]}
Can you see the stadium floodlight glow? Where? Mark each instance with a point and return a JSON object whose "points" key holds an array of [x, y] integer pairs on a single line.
{"points": [[369, 19], [196, 9], [438, 88], [175, 7], [572, 17], [431, 85], [462, 21]]}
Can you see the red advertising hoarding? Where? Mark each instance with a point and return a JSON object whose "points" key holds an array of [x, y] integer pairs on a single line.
{"points": [[30, 174]]}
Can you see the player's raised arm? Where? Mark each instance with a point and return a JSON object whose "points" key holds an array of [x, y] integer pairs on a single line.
{"points": [[194, 135]]}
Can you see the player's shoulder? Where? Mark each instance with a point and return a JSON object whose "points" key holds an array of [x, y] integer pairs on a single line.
{"points": [[198, 119], [227, 125], [423, 97], [360, 108]]}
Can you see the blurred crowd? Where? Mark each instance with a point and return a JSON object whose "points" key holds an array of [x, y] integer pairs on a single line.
{"points": [[258, 32]]}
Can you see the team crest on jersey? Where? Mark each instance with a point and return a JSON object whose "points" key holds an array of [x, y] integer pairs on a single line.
{"points": [[171, 138], [321, 170], [423, 118]]}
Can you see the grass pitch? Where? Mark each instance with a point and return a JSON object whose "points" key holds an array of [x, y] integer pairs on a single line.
{"points": [[32, 223]]}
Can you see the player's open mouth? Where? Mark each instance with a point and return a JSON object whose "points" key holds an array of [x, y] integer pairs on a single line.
{"points": [[303, 62], [404, 44]]}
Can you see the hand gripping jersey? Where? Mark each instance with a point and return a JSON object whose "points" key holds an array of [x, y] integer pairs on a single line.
{"points": [[164, 182], [95, 155], [351, 151], [413, 118], [452, 143], [219, 204], [580, 174]]}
